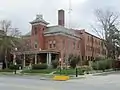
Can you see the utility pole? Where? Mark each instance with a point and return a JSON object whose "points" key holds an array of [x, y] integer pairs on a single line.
{"points": [[69, 12]]}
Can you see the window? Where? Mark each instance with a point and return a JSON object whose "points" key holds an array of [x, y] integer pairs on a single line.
{"points": [[91, 38], [82, 57], [99, 42], [87, 48], [78, 45], [88, 38], [50, 44], [32, 32], [54, 43], [35, 32], [63, 43], [36, 45], [64, 55], [74, 45], [86, 58], [99, 50], [96, 42], [95, 50], [91, 58], [35, 29], [104, 52], [91, 48]]}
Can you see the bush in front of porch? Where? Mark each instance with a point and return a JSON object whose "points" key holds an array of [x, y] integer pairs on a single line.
{"points": [[55, 63], [39, 66]]}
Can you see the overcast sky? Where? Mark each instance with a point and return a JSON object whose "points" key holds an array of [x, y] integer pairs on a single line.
{"points": [[21, 12]]}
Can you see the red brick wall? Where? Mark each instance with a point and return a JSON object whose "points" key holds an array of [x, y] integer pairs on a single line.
{"points": [[39, 37], [90, 47], [64, 44]]}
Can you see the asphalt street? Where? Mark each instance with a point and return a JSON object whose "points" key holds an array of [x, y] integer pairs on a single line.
{"points": [[106, 82]]}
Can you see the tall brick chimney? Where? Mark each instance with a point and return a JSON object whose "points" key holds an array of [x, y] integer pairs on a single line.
{"points": [[61, 17]]}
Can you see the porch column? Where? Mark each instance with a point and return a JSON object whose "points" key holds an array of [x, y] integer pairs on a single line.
{"points": [[50, 59], [24, 61], [47, 59], [35, 58]]}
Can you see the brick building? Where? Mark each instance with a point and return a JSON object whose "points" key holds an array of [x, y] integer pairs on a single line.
{"points": [[51, 42], [48, 43], [91, 46]]}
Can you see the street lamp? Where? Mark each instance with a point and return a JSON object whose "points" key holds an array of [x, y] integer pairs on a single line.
{"points": [[60, 65], [15, 67], [15, 60], [76, 70]]}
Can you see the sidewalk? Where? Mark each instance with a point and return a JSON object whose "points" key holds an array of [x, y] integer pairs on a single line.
{"points": [[104, 73], [27, 76]]}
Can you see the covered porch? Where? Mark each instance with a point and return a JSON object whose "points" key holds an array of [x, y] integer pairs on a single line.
{"points": [[36, 57]]}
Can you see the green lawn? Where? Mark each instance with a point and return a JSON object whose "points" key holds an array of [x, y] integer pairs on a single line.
{"points": [[48, 71], [69, 72], [6, 70]]}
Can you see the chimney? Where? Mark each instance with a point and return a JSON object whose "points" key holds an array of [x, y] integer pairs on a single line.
{"points": [[61, 17]]}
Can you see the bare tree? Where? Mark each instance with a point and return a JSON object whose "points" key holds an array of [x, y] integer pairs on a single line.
{"points": [[9, 39], [106, 21], [25, 42]]}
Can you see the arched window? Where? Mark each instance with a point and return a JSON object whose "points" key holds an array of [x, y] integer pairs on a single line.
{"points": [[50, 44]]}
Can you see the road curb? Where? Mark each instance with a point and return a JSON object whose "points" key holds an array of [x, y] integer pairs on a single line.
{"points": [[103, 73]]}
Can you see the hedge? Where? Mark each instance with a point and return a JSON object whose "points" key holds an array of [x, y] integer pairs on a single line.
{"points": [[69, 72], [13, 67], [102, 64], [55, 63], [39, 66], [6, 70]]}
